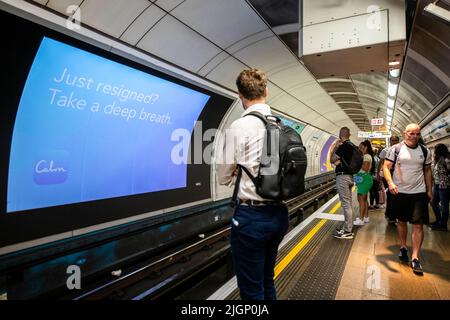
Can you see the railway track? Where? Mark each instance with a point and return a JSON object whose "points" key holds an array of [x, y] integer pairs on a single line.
{"points": [[157, 278]]}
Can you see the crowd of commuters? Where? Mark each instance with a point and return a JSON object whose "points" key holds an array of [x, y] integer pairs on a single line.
{"points": [[403, 173], [404, 179]]}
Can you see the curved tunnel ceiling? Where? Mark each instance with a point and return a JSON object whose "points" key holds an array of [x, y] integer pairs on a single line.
{"points": [[216, 39], [425, 79]]}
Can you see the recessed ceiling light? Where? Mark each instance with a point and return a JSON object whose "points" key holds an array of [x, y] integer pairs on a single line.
{"points": [[390, 102], [394, 73], [394, 63], [392, 88]]}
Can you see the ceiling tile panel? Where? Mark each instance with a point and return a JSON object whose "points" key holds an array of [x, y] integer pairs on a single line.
{"points": [[62, 5], [268, 54], [173, 41], [142, 24], [291, 75], [227, 72], [168, 4], [284, 102], [233, 20], [43, 2], [249, 40], [111, 16], [274, 91]]}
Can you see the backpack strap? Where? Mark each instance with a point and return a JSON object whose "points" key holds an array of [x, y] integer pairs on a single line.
{"points": [[258, 115], [239, 176], [236, 188], [397, 151], [264, 119], [425, 153], [238, 180]]}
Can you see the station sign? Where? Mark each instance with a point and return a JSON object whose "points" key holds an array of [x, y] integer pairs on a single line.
{"points": [[373, 134], [377, 122]]}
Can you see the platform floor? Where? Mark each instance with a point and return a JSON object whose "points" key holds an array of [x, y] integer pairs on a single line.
{"points": [[312, 264], [373, 270]]}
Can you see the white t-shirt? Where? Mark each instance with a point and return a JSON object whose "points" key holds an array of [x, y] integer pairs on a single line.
{"points": [[242, 144], [383, 153], [367, 158], [408, 171]]}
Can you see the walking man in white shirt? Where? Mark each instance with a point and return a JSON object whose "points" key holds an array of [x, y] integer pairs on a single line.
{"points": [[410, 186], [258, 224], [388, 212]]}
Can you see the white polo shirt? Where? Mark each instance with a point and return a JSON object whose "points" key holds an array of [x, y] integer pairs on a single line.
{"points": [[408, 172]]}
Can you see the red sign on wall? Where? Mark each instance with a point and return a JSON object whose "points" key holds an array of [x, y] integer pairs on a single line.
{"points": [[377, 122]]}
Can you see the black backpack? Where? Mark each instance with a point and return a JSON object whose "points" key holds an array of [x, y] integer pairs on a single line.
{"points": [[281, 176], [356, 161]]}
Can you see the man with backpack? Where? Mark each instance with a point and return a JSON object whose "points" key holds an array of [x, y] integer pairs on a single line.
{"points": [[348, 160], [254, 161], [389, 214], [410, 185]]}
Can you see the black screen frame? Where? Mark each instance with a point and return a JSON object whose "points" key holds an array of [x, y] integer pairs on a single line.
{"points": [[21, 39]]}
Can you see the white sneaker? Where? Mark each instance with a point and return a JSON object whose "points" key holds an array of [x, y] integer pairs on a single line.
{"points": [[366, 220], [358, 222]]}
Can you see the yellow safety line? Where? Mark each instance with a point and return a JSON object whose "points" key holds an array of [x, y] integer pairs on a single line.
{"points": [[332, 211], [291, 255]]}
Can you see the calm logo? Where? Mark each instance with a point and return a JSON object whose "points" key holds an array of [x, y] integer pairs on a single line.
{"points": [[52, 170]]}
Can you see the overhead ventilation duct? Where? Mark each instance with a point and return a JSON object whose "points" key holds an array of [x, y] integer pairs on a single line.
{"points": [[349, 37]]}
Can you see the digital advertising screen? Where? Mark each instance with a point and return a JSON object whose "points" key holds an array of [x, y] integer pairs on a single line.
{"points": [[90, 128], [89, 136]]}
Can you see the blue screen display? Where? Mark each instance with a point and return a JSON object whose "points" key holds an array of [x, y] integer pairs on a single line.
{"points": [[88, 128]]}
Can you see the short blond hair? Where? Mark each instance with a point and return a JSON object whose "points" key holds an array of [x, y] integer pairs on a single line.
{"points": [[252, 84]]}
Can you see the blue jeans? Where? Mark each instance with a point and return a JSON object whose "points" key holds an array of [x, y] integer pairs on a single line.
{"points": [[442, 197], [256, 232]]}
